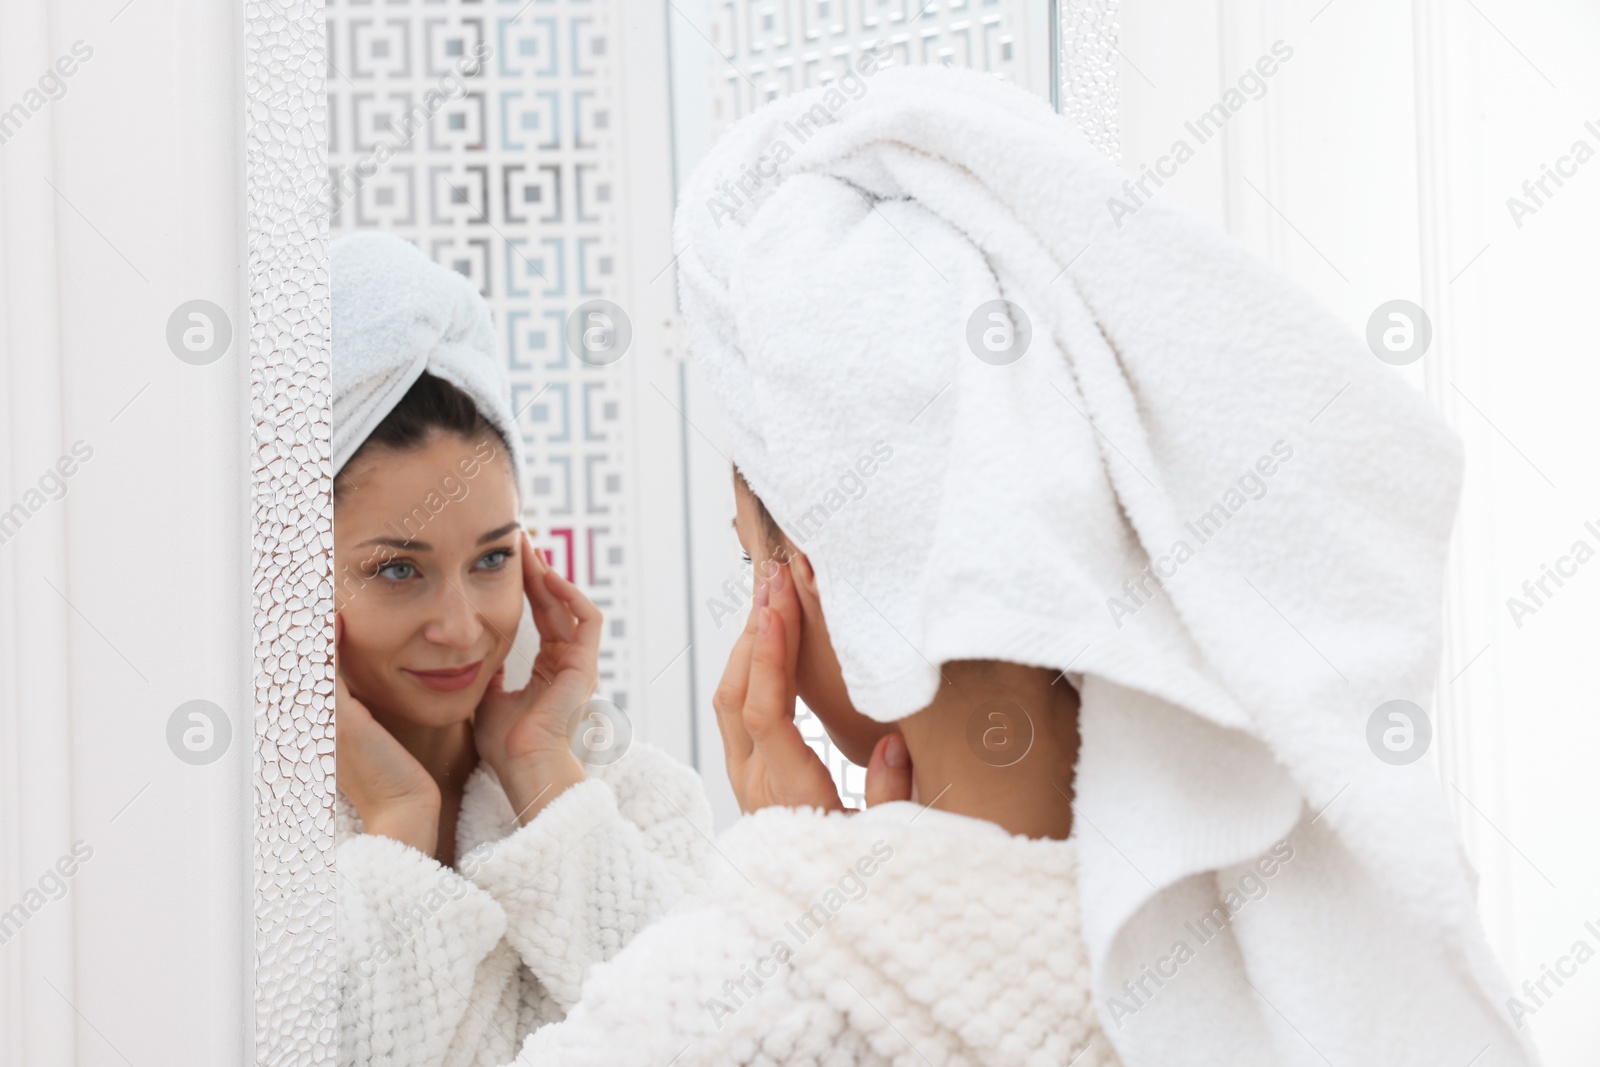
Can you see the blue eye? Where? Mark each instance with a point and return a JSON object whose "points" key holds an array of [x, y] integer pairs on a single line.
{"points": [[493, 561], [396, 572]]}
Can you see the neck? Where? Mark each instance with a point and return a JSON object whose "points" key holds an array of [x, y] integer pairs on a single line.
{"points": [[447, 753], [999, 743]]}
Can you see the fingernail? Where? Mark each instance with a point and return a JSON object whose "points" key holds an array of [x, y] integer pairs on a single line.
{"points": [[762, 592], [895, 754], [765, 618]]}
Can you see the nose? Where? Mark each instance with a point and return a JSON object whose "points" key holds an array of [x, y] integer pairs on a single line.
{"points": [[453, 621]]}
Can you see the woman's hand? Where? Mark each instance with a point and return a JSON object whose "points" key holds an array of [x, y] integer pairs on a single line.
{"points": [[526, 735], [392, 792], [769, 762]]}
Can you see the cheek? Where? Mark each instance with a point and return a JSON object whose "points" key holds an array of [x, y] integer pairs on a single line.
{"points": [[379, 622], [369, 612], [371, 638]]}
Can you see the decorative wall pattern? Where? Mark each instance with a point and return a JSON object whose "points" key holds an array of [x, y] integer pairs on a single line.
{"points": [[787, 45], [484, 133], [292, 523]]}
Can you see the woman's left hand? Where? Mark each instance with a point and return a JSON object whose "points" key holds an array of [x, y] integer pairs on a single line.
{"points": [[526, 735], [769, 762]]}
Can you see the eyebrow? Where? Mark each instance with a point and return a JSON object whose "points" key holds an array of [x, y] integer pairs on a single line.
{"points": [[423, 546]]}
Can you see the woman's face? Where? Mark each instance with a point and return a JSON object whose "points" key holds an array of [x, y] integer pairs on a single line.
{"points": [[819, 680], [428, 576]]}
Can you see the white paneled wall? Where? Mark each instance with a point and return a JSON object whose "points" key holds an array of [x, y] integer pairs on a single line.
{"points": [[125, 587], [1376, 164]]}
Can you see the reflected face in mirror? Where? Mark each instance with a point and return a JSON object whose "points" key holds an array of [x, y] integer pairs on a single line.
{"points": [[428, 575], [819, 680]]}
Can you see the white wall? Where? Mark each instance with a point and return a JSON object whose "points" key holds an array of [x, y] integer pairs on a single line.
{"points": [[128, 596], [1377, 166]]}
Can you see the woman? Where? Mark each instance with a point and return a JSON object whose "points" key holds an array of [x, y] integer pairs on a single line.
{"points": [[965, 403], [944, 931], [1132, 543], [555, 870], [463, 923]]}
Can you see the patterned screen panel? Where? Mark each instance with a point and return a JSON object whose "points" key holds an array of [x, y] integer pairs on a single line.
{"points": [[483, 132], [777, 47]]}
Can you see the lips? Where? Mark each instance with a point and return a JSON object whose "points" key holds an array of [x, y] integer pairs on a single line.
{"points": [[448, 681]]}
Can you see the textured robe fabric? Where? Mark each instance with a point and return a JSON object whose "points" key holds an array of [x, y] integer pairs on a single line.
{"points": [[897, 936], [611, 930], [443, 966]]}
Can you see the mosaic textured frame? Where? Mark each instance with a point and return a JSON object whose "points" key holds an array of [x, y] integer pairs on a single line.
{"points": [[1086, 70], [292, 530], [468, 205]]}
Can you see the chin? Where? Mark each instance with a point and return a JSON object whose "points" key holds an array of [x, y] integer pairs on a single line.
{"points": [[426, 707]]}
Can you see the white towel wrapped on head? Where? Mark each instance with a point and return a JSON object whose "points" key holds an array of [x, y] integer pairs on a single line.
{"points": [[396, 314], [1179, 406]]}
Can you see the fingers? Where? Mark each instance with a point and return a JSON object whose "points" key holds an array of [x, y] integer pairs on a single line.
{"points": [[551, 616], [889, 771], [348, 712], [786, 603], [728, 701], [497, 682], [587, 620], [561, 612], [338, 639], [769, 700]]}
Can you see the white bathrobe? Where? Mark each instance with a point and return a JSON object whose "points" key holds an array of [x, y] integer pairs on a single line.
{"points": [[895, 936], [440, 968]]}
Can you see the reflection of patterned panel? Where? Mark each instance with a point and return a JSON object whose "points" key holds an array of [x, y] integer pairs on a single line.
{"points": [[780, 46], [851, 780], [505, 171]]}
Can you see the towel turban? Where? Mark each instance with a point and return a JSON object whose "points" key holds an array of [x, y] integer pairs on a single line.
{"points": [[396, 314]]}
